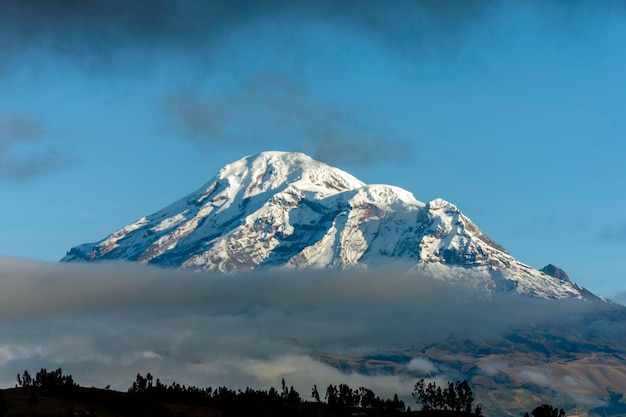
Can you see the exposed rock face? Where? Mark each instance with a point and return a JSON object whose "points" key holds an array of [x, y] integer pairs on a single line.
{"points": [[555, 272], [286, 210]]}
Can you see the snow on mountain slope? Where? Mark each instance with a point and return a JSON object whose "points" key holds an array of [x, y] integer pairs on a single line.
{"points": [[286, 210]]}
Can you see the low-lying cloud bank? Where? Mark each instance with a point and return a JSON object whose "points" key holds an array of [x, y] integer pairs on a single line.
{"points": [[104, 323]]}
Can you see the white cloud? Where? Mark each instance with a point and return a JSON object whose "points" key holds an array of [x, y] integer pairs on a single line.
{"points": [[535, 377], [422, 366], [492, 368]]}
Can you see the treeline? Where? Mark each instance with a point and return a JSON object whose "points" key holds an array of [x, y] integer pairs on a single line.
{"points": [[148, 396], [145, 389], [343, 397], [455, 397], [53, 384], [337, 398]]}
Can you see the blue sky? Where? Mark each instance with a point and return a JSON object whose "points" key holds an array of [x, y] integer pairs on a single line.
{"points": [[514, 111]]}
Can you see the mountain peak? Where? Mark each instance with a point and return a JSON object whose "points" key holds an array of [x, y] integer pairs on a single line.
{"points": [[274, 171], [441, 204], [287, 210], [556, 272]]}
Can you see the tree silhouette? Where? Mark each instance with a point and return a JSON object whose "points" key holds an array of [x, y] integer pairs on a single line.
{"points": [[456, 397], [546, 410], [331, 395], [368, 398], [315, 394]]}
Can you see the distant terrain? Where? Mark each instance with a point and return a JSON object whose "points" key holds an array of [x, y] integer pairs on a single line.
{"points": [[577, 368]]}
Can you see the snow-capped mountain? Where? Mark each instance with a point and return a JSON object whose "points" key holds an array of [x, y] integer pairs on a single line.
{"points": [[286, 210]]}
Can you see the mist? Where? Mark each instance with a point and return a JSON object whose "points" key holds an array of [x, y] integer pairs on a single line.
{"points": [[103, 323]]}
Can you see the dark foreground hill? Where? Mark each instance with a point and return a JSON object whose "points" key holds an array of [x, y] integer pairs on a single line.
{"points": [[91, 402], [55, 394]]}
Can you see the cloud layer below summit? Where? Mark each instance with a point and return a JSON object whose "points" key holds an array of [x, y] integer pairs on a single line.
{"points": [[104, 323]]}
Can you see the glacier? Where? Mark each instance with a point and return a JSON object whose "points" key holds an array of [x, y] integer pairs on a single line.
{"points": [[281, 210]]}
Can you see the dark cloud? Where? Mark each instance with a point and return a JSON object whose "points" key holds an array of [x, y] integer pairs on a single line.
{"points": [[95, 32], [614, 234], [219, 37], [360, 149], [270, 111], [19, 127], [113, 31], [542, 224], [31, 166], [108, 29], [24, 154]]}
